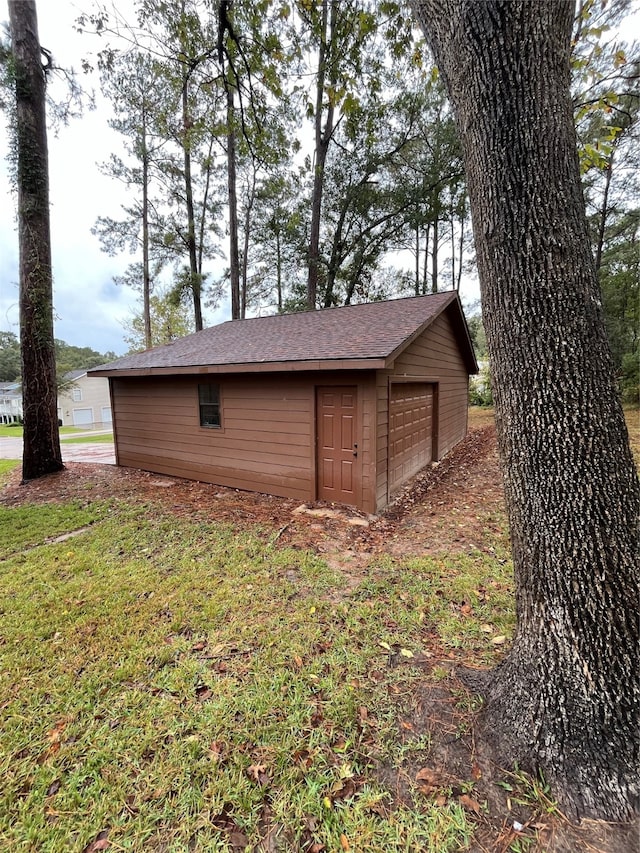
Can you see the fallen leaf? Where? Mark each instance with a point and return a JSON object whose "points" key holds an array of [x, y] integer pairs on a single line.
{"points": [[344, 841], [101, 842], [466, 610], [238, 840], [53, 788], [476, 772], [469, 803], [199, 646], [384, 645], [257, 772], [298, 661], [216, 748], [427, 774], [486, 629], [430, 780], [406, 653], [499, 640]]}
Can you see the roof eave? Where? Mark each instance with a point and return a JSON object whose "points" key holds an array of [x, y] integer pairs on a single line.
{"points": [[251, 367]]}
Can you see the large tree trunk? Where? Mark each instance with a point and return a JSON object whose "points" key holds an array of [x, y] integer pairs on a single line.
{"points": [[566, 698], [41, 442]]}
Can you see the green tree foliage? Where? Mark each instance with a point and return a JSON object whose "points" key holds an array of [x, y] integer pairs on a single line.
{"points": [[170, 320], [128, 80], [10, 367], [69, 357], [606, 72]]}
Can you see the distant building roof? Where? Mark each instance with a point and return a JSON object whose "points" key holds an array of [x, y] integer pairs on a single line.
{"points": [[366, 335], [72, 375]]}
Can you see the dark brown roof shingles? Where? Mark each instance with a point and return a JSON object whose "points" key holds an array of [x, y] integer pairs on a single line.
{"points": [[369, 331]]}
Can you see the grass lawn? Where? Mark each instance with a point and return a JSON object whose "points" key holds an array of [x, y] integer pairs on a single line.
{"points": [[7, 431], [73, 438], [173, 684], [91, 438]]}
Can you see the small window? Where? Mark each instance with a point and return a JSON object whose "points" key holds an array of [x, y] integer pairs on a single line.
{"points": [[77, 395], [209, 399]]}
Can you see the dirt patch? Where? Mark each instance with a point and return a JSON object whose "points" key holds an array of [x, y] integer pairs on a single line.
{"points": [[460, 768], [446, 508]]}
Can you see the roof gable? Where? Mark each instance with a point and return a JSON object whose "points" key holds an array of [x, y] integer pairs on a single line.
{"points": [[365, 335]]}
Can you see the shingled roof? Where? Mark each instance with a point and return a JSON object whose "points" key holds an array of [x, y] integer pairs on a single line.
{"points": [[354, 336]]}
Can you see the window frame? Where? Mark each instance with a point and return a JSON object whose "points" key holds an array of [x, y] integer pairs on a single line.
{"points": [[76, 394], [208, 403]]}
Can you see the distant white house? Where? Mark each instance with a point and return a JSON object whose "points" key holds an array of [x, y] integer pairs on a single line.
{"points": [[85, 401], [10, 402]]}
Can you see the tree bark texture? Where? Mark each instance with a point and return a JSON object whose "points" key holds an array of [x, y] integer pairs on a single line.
{"points": [[195, 278], [566, 698], [234, 251], [41, 441], [326, 66], [146, 265]]}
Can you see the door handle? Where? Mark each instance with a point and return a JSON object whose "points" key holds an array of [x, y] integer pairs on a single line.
{"points": [[355, 452]]}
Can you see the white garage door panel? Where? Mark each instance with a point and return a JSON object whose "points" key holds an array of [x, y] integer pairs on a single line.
{"points": [[410, 430], [82, 417]]}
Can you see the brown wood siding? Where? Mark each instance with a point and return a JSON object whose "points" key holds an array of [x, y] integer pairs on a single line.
{"points": [[267, 441], [264, 443], [433, 357]]}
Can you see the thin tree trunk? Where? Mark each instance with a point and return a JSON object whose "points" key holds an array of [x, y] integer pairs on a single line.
{"points": [[234, 253], [604, 210], [279, 272], [462, 219], [41, 440], [195, 282], [322, 140], [566, 698], [417, 269], [453, 249], [251, 195], [425, 263], [146, 275], [205, 201], [434, 257]]}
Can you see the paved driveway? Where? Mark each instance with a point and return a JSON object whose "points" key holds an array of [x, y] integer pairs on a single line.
{"points": [[11, 448]]}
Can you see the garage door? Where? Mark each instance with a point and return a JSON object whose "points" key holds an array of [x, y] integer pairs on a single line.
{"points": [[410, 430], [82, 417]]}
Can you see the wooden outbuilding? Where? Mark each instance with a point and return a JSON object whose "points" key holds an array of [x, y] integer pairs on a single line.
{"points": [[344, 404]]}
